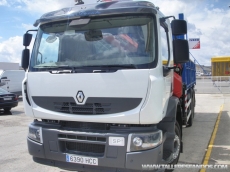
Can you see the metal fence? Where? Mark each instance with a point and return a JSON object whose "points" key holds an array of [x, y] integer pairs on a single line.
{"points": [[212, 85]]}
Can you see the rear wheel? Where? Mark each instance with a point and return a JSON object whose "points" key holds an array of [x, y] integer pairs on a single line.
{"points": [[7, 109]]}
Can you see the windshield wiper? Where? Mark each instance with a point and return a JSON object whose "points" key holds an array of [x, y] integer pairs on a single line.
{"points": [[51, 67], [76, 69], [59, 69], [126, 66]]}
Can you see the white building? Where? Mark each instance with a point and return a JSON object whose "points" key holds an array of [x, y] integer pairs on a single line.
{"points": [[9, 66]]}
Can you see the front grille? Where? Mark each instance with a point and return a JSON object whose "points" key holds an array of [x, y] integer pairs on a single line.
{"points": [[85, 147], [84, 125], [89, 149], [90, 108], [89, 138], [82, 144]]}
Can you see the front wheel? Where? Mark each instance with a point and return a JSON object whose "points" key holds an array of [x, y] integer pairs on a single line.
{"points": [[173, 159]]}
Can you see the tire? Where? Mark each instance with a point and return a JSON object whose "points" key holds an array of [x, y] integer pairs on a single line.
{"points": [[7, 109], [177, 147]]}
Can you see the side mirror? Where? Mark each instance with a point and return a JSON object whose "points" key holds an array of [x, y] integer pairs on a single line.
{"points": [[179, 27], [180, 51], [25, 58], [27, 39]]}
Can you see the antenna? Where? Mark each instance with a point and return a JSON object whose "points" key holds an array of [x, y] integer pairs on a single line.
{"points": [[79, 2]]}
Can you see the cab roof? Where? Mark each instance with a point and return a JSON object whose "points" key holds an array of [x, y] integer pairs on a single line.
{"points": [[99, 9]]}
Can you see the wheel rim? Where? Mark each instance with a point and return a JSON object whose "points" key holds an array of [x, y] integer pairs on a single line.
{"points": [[176, 150]]}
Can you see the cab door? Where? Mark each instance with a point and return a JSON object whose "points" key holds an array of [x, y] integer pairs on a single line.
{"points": [[166, 56]]}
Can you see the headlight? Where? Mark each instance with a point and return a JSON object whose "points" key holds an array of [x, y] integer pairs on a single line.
{"points": [[35, 133], [144, 141]]}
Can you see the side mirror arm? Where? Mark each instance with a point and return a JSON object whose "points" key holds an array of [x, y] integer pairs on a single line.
{"points": [[166, 70]]}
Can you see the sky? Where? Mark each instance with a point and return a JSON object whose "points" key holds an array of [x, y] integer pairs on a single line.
{"points": [[208, 20]]}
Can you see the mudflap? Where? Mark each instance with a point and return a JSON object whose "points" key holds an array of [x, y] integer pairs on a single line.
{"points": [[167, 125]]}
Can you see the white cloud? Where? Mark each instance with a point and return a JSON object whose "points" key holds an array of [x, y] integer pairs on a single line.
{"points": [[3, 2], [27, 26], [11, 49], [41, 6], [19, 7], [44, 6], [205, 21], [215, 40]]}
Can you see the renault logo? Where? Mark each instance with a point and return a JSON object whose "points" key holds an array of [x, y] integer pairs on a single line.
{"points": [[80, 96]]}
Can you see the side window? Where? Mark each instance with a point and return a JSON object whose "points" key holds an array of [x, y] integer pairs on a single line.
{"points": [[164, 47], [48, 50]]}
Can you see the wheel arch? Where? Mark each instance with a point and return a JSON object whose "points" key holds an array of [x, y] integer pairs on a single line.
{"points": [[167, 125]]}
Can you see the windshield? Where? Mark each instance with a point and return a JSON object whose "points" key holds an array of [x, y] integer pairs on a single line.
{"points": [[118, 42], [3, 91]]}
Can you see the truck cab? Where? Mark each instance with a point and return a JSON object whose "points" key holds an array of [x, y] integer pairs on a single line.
{"points": [[99, 89]]}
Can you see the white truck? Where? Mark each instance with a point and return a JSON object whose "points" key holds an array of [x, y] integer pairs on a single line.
{"points": [[103, 89]]}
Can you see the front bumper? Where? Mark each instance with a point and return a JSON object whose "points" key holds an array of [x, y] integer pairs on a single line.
{"points": [[8, 104], [56, 145]]}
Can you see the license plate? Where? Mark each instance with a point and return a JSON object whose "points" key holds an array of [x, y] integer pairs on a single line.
{"points": [[6, 98], [116, 141], [81, 160]]}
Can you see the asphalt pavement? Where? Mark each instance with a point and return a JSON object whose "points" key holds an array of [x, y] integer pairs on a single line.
{"points": [[208, 86], [196, 138], [14, 128], [220, 153]]}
